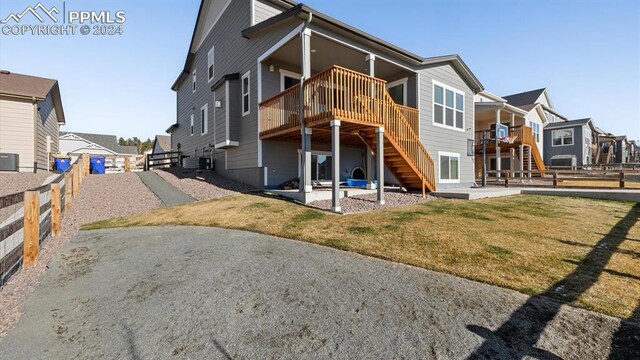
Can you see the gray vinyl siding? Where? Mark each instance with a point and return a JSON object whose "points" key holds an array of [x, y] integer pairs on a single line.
{"points": [[47, 125], [577, 149], [235, 110], [436, 138], [263, 11], [233, 54], [281, 160], [220, 115]]}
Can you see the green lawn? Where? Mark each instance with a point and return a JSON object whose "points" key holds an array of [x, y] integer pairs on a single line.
{"points": [[526, 243]]}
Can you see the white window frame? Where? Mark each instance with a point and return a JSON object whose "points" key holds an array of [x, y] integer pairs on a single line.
{"points": [[449, 154], [403, 81], [193, 82], [535, 129], [286, 73], [247, 76], [192, 123], [204, 115], [573, 138], [211, 63], [433, 106]]}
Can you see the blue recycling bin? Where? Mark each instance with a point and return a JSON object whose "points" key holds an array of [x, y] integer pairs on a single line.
{"points": [[96, 164], [62, 164]]}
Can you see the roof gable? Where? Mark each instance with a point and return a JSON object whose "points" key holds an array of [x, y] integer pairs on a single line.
{"points": [[109, 142], [525, 98]]}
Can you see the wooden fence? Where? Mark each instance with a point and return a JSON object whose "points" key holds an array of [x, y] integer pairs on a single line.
{"points": [[163, 160], [628, 178], [28, 218]]}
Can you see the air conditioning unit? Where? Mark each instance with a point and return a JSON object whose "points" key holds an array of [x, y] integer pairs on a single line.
{"points": [[9, 162]]}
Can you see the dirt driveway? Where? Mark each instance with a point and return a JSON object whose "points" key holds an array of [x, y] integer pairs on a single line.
{"points": [[203, 293]]}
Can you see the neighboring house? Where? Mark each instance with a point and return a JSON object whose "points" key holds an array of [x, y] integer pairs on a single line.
{"points": [[30, 117], [525, 122], [634, 152], [622, 149], [238, 97], [606, 147], [569, 143], [75, 144], [161, 144]]}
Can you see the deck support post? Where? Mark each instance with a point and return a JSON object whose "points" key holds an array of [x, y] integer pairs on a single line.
{"points": [[335, 153], [305, 175], [370, 170], [529, 166], [521, 148], [498, 159], [305, 181], [380, 163]]}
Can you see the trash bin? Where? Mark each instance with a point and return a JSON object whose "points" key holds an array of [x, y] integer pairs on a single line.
{"points": [[62, 164], [96, 164]]}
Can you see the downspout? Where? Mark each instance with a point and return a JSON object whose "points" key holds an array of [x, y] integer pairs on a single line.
{"points": [[301, 105], [35, 134]]}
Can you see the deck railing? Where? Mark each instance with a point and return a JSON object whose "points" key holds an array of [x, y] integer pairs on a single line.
{"points": [[339, 93]]}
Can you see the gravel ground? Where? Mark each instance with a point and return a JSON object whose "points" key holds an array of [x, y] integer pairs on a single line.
{"points": [[101, 197], [15, 182], [205, 185], [206, 293], [361, 203]]}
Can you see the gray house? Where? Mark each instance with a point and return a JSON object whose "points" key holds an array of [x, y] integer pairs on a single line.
{"points": [[569, 143], [30, 117], [369, 107]]}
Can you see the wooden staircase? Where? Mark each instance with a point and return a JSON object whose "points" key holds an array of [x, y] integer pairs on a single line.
{"points": [[404, 154], [534, 165]]}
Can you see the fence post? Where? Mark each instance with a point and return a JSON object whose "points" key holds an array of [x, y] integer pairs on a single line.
{"points": [[85, 164], [506, 181], [68, 190], [555, 179], [127, 164], [76, 179], [31, 228], [622, 179], [55, 209]]}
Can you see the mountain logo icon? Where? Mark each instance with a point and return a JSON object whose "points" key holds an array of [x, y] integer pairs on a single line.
{"points": [[35, 11]]}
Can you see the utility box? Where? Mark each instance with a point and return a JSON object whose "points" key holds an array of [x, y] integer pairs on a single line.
{"points": [[9, 162], [204, 163]]}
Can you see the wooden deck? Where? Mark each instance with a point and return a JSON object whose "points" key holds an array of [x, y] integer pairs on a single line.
{"points": [[523, 136], [362, 104]]}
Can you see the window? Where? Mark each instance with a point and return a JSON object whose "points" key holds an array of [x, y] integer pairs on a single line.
{"points": [[193, 82], [398, 91], [448, 107], [535, 129], [246, 93], [210, 64], [191, 124], [562, 137], [288, 79], [204, 117], [449, 167]]}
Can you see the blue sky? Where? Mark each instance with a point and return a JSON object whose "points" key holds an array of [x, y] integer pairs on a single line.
{"points": [[587, 53]]}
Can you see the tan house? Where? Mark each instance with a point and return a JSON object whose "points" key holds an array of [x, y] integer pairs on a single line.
{"points": [[30, 116]]}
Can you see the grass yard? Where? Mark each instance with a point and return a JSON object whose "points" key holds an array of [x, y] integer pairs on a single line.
{"points": [[531, 244]]}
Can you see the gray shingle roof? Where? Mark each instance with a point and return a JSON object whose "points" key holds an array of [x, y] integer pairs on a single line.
{"points": [[164, 141], [106, 141], [568, 123], [524, 98]]}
